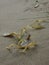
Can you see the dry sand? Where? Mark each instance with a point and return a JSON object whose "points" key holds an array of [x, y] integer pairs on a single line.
{"points": [[14, 15]]}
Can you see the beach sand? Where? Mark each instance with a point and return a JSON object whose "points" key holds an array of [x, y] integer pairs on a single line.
{"points": [[16, 14]]}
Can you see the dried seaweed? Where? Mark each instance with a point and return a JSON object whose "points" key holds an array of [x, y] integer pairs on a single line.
{"points": [[24, 37], [38, 26]]}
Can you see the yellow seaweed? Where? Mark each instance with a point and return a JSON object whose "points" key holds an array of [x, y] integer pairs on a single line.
{"points": [[40, 21], [30, 45], [38, 26], [8, 48]]}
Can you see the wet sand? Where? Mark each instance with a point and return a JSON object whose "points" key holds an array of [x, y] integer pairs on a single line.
{"points": [[16, 14]]}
